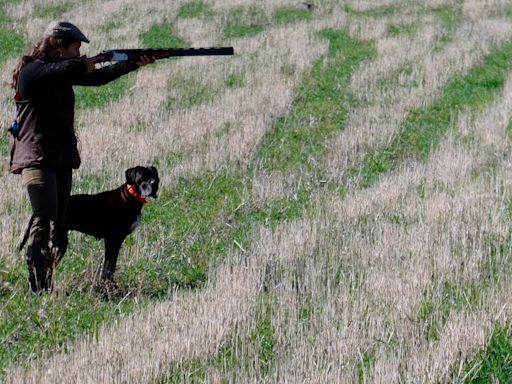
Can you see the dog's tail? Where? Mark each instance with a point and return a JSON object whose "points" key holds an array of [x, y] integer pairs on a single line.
{"points": [[27, 233]]}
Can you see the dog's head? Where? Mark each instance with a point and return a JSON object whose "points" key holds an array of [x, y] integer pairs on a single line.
{"points": [[145, 179]]}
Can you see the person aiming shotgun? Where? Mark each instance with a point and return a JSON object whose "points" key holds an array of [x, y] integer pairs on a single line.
{"points": [[43, 144]]}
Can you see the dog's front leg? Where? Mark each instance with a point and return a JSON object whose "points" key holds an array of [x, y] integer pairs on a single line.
{"points": [[112, 247]]}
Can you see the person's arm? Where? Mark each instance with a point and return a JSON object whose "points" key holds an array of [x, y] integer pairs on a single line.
{"points": [[56, 70], [105, 74]]}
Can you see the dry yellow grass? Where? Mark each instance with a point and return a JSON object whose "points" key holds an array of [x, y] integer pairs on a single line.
{"points": [[349, 281]]}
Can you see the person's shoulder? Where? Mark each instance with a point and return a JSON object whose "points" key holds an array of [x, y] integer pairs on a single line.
{"points": [[33, 64]]}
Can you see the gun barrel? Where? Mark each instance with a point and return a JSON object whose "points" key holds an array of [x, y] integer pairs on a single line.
{"points": [[162, 53], [220, 51]]}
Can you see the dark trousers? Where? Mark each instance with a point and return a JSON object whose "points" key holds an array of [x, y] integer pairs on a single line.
{"points": [[48, 190]]}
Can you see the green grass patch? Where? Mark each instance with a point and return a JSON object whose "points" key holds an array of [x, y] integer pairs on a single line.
{"points": [[4, 149], [195, 9], [239, 30], [424, 128], [436, 308], [365, 367], [265, 333], [186, 93], [235, 80], [298, 139], [207, 215], [32, 323], [244, 22], [450, 16], [161, 36], [494, 363], [11, 43], [402, 29], [155, 277], [291, 15], [98, 97]]}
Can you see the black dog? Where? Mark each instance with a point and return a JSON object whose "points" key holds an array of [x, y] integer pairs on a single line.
{"points": [[110, 215]]}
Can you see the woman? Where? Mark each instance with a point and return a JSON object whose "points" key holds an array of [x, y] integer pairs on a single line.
{"points": [[43, 146]]}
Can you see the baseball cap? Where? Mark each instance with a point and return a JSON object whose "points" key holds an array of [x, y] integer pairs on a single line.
{"points": [[65, 30]]}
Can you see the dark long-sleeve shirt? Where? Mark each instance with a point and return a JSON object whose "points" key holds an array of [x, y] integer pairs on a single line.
{"points": [[46, 111]]}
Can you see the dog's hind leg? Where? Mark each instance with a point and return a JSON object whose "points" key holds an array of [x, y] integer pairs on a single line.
{"points": [[112, 247]]}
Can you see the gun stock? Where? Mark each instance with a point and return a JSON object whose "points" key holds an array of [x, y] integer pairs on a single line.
{"points": [[160, 53]]}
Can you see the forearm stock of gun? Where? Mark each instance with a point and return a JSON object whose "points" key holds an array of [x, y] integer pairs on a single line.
{"points": [[157, 54]]}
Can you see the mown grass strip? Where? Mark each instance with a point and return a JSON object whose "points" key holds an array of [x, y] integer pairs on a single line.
{"points": [[424, 128], [298, 140]]}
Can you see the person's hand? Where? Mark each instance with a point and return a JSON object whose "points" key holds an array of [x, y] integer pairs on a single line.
{"points": [[145, 60], [89, 62]]}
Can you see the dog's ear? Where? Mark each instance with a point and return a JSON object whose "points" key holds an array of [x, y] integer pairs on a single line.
{"points": [[131, 174], [153, 169]]}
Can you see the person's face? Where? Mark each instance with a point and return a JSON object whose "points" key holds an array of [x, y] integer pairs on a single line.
{"points": [[72, 51]]}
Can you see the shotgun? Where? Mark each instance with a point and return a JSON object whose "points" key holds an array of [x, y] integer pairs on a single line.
{"points": [[160, 53]]}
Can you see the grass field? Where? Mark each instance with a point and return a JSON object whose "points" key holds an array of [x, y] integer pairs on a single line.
{"points": [[335, 204]]}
